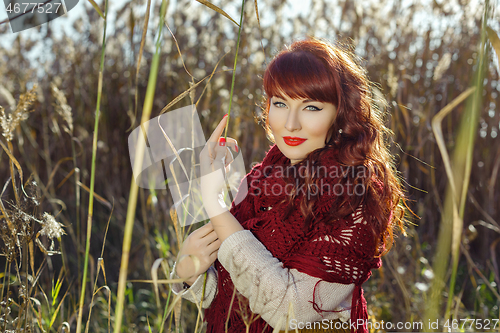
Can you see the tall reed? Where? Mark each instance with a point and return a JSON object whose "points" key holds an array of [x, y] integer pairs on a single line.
{"points": [[458, 172], [93, 173], [134, 189]]}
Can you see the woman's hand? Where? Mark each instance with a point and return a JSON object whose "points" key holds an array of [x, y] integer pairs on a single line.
{"points": [[215, 158], [198, 252]]}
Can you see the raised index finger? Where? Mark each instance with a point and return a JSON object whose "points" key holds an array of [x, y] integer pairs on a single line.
{"points": [[216, 134]]}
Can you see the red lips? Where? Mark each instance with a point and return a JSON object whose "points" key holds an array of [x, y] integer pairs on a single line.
{"points": [[293, 141]]}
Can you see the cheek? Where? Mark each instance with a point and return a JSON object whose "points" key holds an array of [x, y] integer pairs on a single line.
{"points": [[322, 135], [273, 120], [320, 130], [320, 126]]}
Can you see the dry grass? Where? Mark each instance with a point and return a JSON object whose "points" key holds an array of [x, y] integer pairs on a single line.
{"points": [[421, 68]]}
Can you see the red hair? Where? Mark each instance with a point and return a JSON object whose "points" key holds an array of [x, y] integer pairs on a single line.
{"points": [[320, 71]]}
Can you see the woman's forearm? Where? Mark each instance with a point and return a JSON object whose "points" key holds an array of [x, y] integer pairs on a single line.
{"points": [[223, 222]]}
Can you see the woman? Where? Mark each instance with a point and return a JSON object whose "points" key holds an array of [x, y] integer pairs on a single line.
{"points": [[320, 209]]}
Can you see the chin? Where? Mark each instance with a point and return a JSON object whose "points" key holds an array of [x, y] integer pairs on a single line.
{"points": [[288, 152]]}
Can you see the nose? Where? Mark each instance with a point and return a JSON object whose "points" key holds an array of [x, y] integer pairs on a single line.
{"points": [[292, 122]]}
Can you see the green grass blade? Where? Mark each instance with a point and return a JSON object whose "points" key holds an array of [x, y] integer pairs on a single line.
{"points": [[134, 189], [234, 68], [92, 178], [56, 290], [463, 154], [458, 172], [56, 312], [97, 9]]}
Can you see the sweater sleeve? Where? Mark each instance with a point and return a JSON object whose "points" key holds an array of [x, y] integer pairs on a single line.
{"points": [[195, 291], [270, 287]]}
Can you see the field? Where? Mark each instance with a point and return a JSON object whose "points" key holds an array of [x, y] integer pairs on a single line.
{"points": [[83, 248]]}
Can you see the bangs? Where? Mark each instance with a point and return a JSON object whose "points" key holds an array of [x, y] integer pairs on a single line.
{"points": [[299, 74]]}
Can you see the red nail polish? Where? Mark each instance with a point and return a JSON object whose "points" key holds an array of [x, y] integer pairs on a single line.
{"points": [[222, 141], [224, 116], [236, 148]]}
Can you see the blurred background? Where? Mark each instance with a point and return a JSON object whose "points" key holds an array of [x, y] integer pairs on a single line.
{"points": [[421, 55]]}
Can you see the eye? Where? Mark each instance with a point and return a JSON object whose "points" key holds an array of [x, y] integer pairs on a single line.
{"points": [[279, 104], [312, 108]]}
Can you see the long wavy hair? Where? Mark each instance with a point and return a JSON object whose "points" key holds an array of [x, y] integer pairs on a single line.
{"points": [[318, 70]]}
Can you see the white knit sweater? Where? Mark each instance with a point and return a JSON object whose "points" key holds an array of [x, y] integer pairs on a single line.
{"points": [[269, 294]]}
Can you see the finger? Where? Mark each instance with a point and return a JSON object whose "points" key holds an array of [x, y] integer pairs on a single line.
{"points": [[221, 147], [230, 153], [210, 237], [233, 144], [205, 230], [216, 134], [216, 159], [214, 246], [214, 149], [213, 255]]}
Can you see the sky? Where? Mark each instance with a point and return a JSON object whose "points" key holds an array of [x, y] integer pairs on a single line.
{"points": [[294, 8], [65, 22]]}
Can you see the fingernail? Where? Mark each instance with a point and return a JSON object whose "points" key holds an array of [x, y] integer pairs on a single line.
{"points": [[222, 141], [224, 116], [236, 147]]}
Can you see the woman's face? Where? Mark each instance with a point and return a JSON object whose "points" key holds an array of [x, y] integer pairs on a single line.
{"points": [[299, 126]]}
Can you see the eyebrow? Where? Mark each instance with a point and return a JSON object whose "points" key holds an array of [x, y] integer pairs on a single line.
{"points": [[304, 101]]}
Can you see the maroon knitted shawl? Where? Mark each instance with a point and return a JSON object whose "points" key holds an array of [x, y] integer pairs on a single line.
{"points": [[341, 252]]}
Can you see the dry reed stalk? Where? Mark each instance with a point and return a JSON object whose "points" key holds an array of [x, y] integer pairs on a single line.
{"points": [[10, 122], [100, 267]]}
